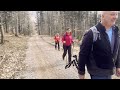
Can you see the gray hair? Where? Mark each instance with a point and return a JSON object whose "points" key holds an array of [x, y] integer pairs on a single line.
{"points": [[102, 12]]}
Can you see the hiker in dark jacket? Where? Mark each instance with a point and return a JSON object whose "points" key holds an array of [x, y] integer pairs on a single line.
{"points": [[67, 42], [101, 57]]}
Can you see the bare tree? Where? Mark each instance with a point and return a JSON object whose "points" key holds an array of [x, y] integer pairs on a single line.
{"points": [[1, 31]]}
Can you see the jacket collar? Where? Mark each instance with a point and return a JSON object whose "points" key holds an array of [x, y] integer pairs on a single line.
{"points": [[101, 28]]}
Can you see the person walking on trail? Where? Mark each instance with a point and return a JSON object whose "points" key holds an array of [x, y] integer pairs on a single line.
{"points": [[57, 41], [101, 57], [67, 42]]}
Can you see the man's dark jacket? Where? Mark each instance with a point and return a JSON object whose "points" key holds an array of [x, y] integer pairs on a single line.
{"points": [[98, 56]]}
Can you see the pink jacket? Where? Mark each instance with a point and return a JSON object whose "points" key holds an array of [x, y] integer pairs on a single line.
{"points": [[68, 39], [57, 38]]}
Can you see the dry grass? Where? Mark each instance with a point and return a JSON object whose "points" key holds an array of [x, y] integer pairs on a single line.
{"points": [[12, 55]]}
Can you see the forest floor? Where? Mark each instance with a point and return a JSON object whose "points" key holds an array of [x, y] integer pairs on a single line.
{"points": [[12, 55], [35, 58]]}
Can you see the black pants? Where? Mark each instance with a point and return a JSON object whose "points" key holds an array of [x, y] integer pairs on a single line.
{"points": [[57, 45], [67, 48]]}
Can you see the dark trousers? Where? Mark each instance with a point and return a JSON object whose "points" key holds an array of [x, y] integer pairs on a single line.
{"points": [[100, 77], [57, 45], [67, 49]]}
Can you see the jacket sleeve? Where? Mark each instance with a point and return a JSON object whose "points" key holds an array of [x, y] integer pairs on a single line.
{"points": [[118, 56], [54, 37], [59, 38], [118, 60], [63, 38], [85, 49]]}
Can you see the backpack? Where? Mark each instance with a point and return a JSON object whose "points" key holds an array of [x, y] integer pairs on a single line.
{"points": [[96, 33]]}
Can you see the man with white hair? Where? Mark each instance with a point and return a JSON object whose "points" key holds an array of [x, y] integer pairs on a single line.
{"points": [[102, 56]]}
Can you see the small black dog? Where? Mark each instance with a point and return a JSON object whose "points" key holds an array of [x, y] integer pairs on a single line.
{"points": [[74, 62]]}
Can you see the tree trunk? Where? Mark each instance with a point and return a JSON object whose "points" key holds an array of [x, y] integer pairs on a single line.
{"points": [[2, 34], [16, 29]]}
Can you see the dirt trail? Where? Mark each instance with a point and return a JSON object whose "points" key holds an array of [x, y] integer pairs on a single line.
{"points": [[44, 62]]}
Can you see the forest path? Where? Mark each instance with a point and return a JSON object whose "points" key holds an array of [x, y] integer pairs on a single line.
{"points": [[44, 62]]}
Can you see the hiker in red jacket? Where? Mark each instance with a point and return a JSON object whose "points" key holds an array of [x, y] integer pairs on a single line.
{"points": [[57, 41], [67, 42]]}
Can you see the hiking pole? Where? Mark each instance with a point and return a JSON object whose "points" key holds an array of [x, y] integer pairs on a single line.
{"points": [[72, 48]]}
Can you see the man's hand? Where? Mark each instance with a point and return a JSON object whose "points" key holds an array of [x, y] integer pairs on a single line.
{"points": [[64, 42], [118, 72], [81, 76]]}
